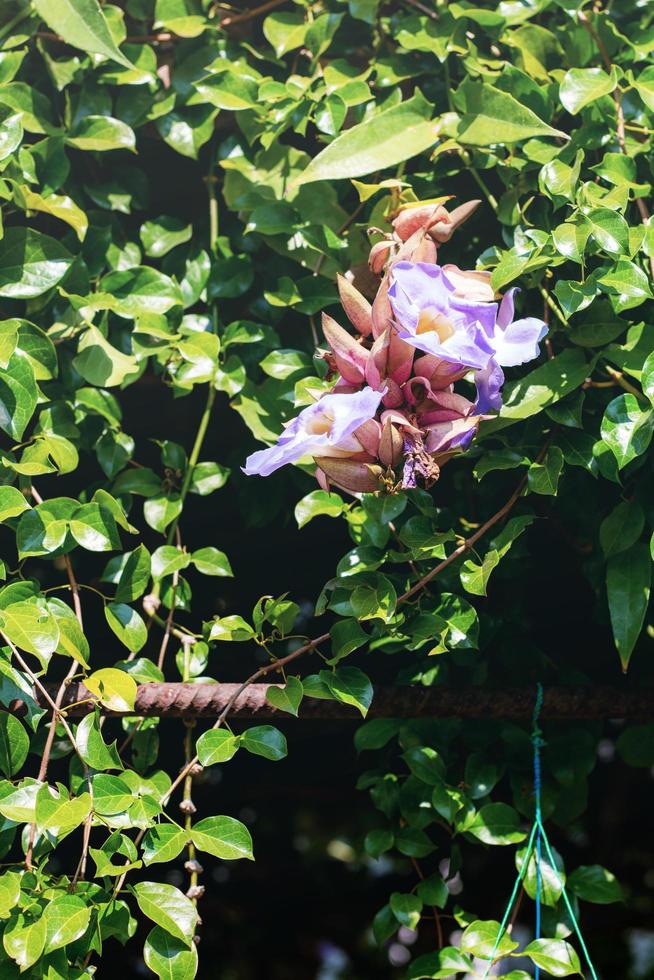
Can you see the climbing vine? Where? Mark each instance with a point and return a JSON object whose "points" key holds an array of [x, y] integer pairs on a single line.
{"points": [[402, 253]]}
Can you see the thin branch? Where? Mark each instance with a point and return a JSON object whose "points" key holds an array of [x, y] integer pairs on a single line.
{"points": [[250, 14]]}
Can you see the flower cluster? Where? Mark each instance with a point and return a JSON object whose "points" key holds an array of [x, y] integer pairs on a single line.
{"points": [[393, 417]]}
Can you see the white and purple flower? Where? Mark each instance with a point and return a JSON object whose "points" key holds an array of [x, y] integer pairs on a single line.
{"points": [[431, 315], [325, 429]]}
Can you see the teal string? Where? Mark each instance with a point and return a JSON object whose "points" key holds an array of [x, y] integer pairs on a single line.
{"points": [[537, 743], [568, 906], [514, 895], [537, 839]]}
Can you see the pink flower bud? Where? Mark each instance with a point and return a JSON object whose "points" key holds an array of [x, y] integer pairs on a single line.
{"points": [[440, 373], [421, 216], [390, 445], [382, 311], [442, 231], [350, 357], [356, 306], [349, 474], [369, 435], [425, 251], [379, 254]]}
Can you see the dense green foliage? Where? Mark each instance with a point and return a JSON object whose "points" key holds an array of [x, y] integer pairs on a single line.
{"points": [[307, 124]]}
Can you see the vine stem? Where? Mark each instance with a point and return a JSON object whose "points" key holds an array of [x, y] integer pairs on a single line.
{"points": [[151, 601], [47, 750], [586, 23]]}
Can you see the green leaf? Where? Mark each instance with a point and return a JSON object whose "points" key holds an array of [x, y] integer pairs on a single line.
{"points": [[24, 939], [101, 133], [127, 625], [285, 31], [115, 689], [18, 396], [94, 528], [162, 234], [134, 576], [169, 908], [230, 628], [496, 823], [217, 745], [100, 363], [627, 283], [628, 585], [92, 747], [609, 229], [265, 740], [224, 837], [11, 132], [627, 428], [31, 626], [406, 909], [31, 263], [426, 764], [552, 878], [66, 919], [141, 290], [492, 116], [286, 698], [541, 387], [475, 576], [163, 843], [317, 503], [168, 559], [14, 744], [544, 477], [169, 957], [350, 686], [346, 636], [443, 964], [81, 24], [479, 939], [211, 561], [592, 883], [9, 892], [433, 891], [111, 794], [59, 206], [377, 143], [582, 86], [555, 956], [622, 527], [12, 503]]}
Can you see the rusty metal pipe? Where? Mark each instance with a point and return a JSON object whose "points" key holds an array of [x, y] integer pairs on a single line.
{"points": [[209, 700]]}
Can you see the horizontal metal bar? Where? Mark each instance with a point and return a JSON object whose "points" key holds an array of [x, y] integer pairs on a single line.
{"points": [[209, 700]]}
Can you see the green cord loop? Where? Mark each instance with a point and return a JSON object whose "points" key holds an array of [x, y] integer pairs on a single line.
{"points": [[537, 839]]}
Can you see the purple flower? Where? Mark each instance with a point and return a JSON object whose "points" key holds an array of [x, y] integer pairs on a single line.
{"points": [[432, 316], [324, 429]]}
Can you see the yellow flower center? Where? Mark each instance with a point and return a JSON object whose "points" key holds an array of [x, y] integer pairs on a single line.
{"points": [[430, 320], [320, 425]]}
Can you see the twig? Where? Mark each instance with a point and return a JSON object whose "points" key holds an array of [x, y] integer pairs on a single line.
{"points": [[422, 8], [169, 622], [437, 918], [620, 379], [159, 36], [249, 14]]}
